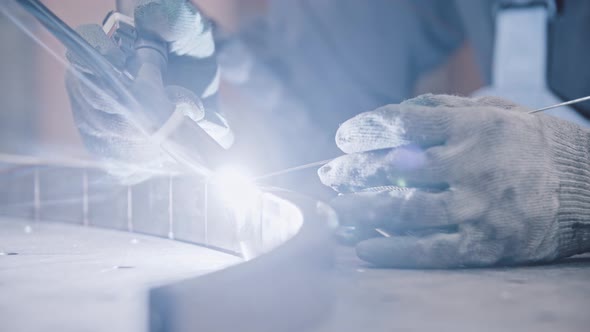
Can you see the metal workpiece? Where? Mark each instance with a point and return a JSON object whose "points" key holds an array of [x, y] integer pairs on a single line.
{"points": [[280, 243], [175, 206], [287, 289], [73, 252], [71, 278]]}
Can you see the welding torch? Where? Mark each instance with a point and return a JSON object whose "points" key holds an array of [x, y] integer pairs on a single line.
{"points": [[175, 125]]}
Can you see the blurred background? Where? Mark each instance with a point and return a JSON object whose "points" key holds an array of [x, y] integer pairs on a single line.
{"points": [[35, 115]]}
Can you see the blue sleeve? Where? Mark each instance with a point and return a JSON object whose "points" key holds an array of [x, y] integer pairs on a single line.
{"points": [[337, 58], [371, 50]]}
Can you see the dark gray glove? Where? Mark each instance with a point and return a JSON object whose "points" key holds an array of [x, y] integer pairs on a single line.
{"points": [[485, 183], [105, 123]]}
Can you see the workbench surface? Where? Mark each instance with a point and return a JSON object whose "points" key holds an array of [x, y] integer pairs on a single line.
{"points": [[73, 278], [58, 277], [534, 298]]}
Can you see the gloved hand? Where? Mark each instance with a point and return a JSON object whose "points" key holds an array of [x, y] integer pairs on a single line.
{"points": [[484, 183], [105, 124]]}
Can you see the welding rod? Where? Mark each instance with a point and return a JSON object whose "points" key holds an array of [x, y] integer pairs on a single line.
{"points": [[293, 169], [323, 162], [571, 102]]}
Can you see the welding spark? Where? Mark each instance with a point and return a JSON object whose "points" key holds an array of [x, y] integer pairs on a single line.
{"points": [[235, 188]]}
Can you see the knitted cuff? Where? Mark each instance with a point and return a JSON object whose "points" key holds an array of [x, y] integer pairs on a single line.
{"points": [[570, 146]]}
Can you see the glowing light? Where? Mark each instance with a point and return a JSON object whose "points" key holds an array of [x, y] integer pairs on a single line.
{"points": [[235, 188]]}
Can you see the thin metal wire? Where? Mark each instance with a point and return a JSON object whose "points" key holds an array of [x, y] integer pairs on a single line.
{"points": [[293, 169], [571, 102]]}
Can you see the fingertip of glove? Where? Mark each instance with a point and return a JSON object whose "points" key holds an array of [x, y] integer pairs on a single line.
{"points": [[356, 132], [323, 174], [342, 137], [372, 251], [375, 130], [331, 176]]}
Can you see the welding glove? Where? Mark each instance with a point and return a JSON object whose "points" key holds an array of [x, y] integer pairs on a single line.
{"points": [[104, 122], [463, 182]]}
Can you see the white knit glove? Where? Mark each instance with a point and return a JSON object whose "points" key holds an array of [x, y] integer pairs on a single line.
{"points": [[485, 183]]}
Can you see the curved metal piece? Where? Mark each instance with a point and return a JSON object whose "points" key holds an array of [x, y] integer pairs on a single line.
{"points": [[287, 289], [284, 241]]}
